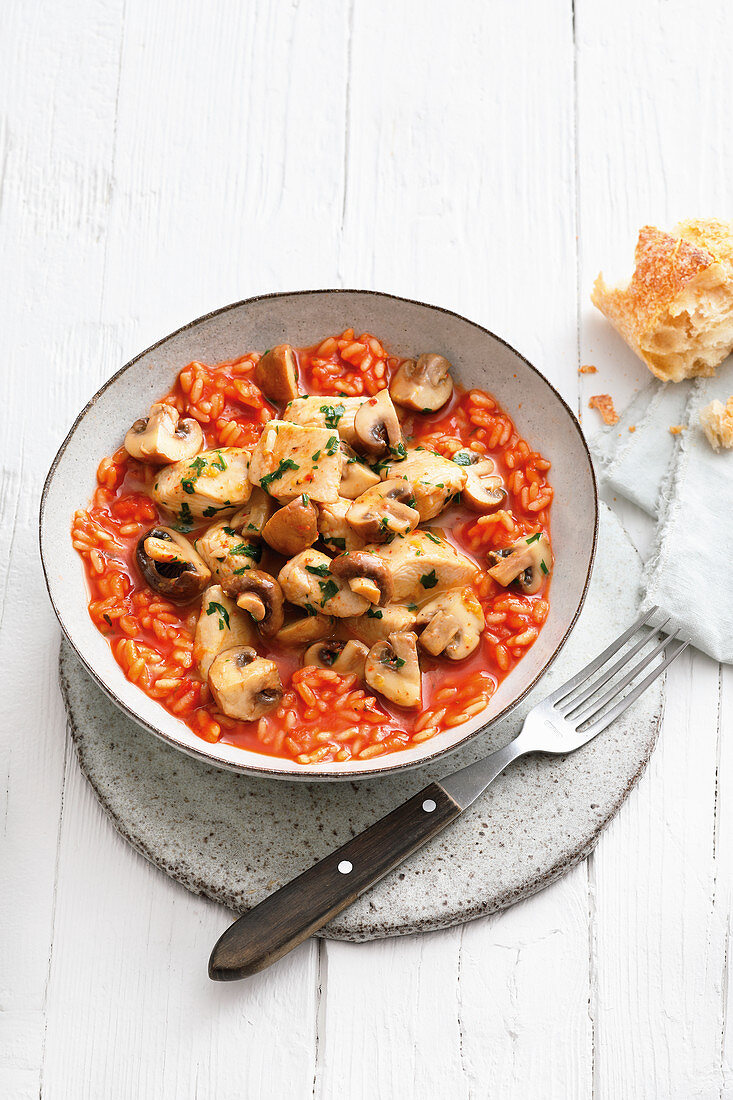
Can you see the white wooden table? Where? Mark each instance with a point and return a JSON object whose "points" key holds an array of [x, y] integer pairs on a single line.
{"points": [[159, 159]]}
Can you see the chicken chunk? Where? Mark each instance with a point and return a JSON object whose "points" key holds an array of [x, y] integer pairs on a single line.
{"points": [[334, 529], [334, 413], [221, 625], [290, 459], [434, 479], [215, 483], [226, 552], [307, 581], [422, 565], [380, 622]]}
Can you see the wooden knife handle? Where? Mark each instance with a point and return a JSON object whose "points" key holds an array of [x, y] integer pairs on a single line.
{"points": [[301, 907]]}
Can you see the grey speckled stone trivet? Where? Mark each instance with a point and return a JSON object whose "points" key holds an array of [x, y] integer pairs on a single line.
{"points": [[235, 839]]}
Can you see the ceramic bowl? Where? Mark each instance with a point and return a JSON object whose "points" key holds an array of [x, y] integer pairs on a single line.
{"points": [[479, 359]]}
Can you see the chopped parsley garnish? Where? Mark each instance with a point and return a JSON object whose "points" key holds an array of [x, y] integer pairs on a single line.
{"points": [[340, 544], [333, 445], [392, 661], [328, 589], [304, 498], [412, 607], [217, 609], [197, 465], [286, 464], [371, 613], [211, 510], [249, 549], [187, 485], [544, 568], [533, 538], [462, 459], [333, 414], [186, 519], [318, 570], [429, 580], [310, 608], [219, 464], [399, 451], [316, 456], [242, 569], [107, 620], [230, 531], [432, 537]]}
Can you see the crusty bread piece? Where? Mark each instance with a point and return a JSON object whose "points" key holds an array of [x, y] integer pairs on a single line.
{"points": [[717, 423], [677, 310]]}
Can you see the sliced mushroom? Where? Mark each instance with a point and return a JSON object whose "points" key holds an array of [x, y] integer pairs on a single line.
{"points": [[423, 384], [484, 490], [277, 374], [377, 427], [528, 562], [170, 565], [356, 477], [392, 668], [342, 657], [452, 624], [244, 685], [220, 626], [260, 594], [358, 565], [309, 629], [292, 528], [162, 437], [384, 511]]}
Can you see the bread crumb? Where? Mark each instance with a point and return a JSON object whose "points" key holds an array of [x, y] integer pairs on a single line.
{"points": [[717, 423], [676, 429], [632, 427], [604, 403], [587, 369]]}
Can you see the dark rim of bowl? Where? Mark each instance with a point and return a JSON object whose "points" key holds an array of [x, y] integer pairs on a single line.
{"points": [[313, 776]]}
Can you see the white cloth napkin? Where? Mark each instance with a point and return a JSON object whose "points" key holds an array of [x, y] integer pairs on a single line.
{"points": [[688, 487]]}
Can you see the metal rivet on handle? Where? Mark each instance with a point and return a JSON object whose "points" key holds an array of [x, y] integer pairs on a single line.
{"points": [[345, 867], [428, 805]]}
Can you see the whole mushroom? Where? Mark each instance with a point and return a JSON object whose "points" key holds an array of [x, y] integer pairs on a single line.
{"points": [[162, 437], [423, 384], [260, 594], [276, 374], [244, 685], [292, 528], [170, 565]]}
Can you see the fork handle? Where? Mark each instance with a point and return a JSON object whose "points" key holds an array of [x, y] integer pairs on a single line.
{"points": [[302, 906]]}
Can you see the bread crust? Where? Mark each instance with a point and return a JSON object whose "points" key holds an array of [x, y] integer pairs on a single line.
{"points": [[676, 312]]}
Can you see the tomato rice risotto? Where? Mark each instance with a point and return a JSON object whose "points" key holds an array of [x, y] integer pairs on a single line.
{"points": [[323, 553]]}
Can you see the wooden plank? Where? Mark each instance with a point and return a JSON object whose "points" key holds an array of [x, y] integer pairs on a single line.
{"points": [[659, 943], [57, 102]]}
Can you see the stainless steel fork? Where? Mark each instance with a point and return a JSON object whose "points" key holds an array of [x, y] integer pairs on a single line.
{"points": [[571, 716]]}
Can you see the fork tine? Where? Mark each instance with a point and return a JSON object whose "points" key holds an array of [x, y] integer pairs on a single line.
{"points": [[582, 676], [597, 705], [573, 704], [623, 704]]}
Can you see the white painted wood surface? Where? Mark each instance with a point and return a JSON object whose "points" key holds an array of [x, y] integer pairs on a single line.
{"points": [[160, 159]]}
